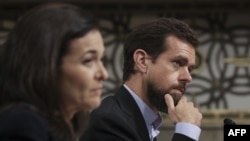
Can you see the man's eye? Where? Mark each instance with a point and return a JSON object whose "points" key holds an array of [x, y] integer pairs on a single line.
{"points": [[190, 69], [177, 63]]}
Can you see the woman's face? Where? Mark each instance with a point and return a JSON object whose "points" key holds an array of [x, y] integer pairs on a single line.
{"points": [[83, 73]]}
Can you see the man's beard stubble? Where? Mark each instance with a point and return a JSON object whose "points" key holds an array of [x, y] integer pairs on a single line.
{"points": [[156, 97]]}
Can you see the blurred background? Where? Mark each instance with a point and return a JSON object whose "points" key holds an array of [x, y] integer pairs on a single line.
{"points": [[221, 80]]}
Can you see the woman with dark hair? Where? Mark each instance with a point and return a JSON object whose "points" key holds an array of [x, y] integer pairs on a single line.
{"points": [[52, 74]]}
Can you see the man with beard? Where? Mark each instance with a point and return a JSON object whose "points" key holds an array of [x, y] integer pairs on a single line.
{"points": [[159, 57]]}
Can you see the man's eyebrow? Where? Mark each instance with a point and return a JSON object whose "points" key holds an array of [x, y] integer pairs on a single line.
{"points": [[180, 57], [185, 60]]}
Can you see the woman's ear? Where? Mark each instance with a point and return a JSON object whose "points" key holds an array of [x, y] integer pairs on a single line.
{"points": [[140, 59]]}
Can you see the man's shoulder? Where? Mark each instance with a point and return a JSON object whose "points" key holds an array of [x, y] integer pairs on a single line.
{"points": [[108, 104]]}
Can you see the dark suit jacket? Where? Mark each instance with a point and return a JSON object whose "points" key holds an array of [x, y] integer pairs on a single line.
{"points": [[119, 119], [22, 124]]}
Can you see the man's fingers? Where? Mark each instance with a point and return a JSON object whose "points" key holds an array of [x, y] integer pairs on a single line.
{"points": [[169, 101]]}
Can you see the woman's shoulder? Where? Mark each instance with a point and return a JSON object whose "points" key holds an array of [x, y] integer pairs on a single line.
{"points": [[22, 121], [18, 113]]}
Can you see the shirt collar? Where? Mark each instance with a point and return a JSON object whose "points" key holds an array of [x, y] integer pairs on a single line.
{"points": [[151, 118]]}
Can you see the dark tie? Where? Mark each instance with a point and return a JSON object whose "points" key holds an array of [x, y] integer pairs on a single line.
{"points": [[155, 139]]}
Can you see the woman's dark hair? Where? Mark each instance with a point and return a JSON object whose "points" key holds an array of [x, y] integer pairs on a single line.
{"points": [[32, 56], [151, 37]]}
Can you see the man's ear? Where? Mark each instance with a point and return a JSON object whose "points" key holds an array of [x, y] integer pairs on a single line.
{"points": [[140, 59]]}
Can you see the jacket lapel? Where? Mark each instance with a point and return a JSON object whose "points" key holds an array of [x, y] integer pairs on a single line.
{"points": [[129, 106]]}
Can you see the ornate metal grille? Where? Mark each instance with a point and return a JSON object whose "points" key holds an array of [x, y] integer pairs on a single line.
{"points": [[222, 76]]}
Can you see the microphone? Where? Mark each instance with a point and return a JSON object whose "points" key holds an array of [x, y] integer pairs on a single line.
{"points": [[228, 121]]}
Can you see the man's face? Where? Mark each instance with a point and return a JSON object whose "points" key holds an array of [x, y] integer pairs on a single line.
{"points": [[170, 73]]}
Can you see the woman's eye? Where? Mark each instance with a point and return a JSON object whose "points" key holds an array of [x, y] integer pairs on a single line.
{"points": [[104, 60], [86, 61]]}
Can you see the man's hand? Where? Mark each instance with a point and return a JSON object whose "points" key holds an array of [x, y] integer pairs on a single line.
{"points": [[184, 111]]}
